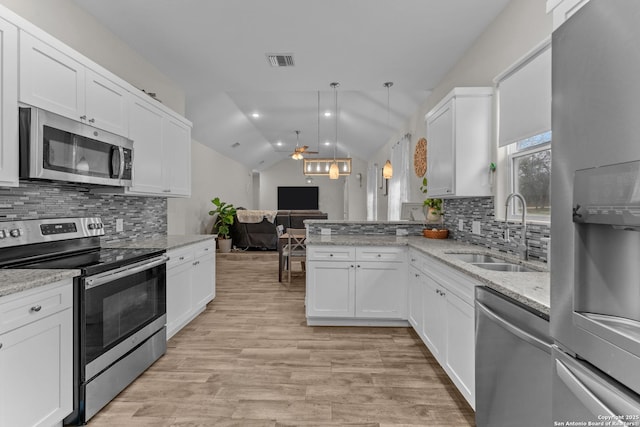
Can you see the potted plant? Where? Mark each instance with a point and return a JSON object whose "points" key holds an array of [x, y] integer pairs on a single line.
{"points": [[223, 218], [433, 208]]}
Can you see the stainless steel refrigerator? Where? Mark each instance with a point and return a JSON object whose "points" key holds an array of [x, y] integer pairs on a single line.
{"points": [[595, 219]]}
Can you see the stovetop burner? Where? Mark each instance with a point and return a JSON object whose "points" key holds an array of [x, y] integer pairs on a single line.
{"points": [[69, 243], [93, 262]]}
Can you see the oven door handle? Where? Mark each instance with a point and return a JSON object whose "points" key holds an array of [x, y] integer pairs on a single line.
{"points": [[101, 279]]}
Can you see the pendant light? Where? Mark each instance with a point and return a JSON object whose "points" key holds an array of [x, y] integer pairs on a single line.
{"points": [[333, 167], [334, 170], [387, 170]]}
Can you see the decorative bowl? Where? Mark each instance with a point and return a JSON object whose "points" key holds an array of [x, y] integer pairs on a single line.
{"points": [[435, 233]]}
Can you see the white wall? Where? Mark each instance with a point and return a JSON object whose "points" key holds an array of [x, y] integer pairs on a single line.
{"points": [[212, 174], [356, 191], [521, 26], [288, 172]]}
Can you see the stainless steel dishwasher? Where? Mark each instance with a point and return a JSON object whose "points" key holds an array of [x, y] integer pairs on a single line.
{"points": [[514, 367]]}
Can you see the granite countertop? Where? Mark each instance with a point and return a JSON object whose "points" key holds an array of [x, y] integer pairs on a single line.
{"points": [[18, 280], [346, 221], [171, 241], [530, 288]]}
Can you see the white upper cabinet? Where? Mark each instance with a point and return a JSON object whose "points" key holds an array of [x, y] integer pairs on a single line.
{"points": [[106, 104], [176, 142], [54, 81], [49, 79], [8, 104], [161, 151], [459, 144], [145, 130], [563, 10]]}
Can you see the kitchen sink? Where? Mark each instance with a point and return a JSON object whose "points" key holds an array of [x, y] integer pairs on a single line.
{"points": [[503, 266], [476, 258]]}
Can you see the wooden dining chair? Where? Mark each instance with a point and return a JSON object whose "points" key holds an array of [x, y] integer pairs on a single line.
{"points": [[295, 249]]}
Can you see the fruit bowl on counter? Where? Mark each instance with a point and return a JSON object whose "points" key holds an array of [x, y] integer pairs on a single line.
{"points": [[435, 233]]}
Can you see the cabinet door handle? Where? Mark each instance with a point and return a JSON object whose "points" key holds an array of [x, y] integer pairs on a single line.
{"points": [[413, 260], [330, 254], [0, 345], [351, 266], [358, 265], [379, 255], [92, 120], [417, 275], [181, 258], [83, 117], [36, 308]]}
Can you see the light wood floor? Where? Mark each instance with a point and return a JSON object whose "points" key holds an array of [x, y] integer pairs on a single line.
{"points": [[250, 360]]}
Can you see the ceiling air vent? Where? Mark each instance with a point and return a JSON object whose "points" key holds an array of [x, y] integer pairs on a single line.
{"points": [[280, 59]]}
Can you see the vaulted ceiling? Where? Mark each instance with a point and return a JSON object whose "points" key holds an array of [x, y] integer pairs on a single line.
{"points": [[216, 51]]}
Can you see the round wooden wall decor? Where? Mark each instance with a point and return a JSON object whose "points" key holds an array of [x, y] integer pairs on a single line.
{"points": [[420, 158]]}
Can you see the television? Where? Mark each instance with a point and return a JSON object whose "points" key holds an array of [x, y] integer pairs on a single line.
{"points": [[294, 198]]}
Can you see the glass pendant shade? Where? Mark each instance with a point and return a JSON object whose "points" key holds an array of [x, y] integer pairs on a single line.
{"points": [[387, 170], [334, 171]]}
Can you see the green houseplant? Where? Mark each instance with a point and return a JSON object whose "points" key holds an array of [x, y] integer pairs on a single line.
{"points": [[223, 218], [433, 206]]}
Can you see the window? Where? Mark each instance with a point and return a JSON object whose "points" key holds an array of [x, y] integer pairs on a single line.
{"points": [[524, 135], [530, 175]]}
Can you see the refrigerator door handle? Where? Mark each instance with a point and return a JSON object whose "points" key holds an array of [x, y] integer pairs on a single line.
{"points": [[618, 405], [520, 333]]}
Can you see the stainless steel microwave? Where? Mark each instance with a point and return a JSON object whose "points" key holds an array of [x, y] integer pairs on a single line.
{"points": [[53, 147]]}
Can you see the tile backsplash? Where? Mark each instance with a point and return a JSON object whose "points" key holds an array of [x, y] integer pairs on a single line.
{"points": [[143, 217], [491, 232]]}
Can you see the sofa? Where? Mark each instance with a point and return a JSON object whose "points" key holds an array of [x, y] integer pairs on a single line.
{"points": [[264, 235]]}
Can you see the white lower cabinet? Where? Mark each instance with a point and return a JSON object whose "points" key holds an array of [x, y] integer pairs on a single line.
{"points": [[191, 283], [331, 288], [36, 356], [448, 319], [414, 301], [354, 288]]}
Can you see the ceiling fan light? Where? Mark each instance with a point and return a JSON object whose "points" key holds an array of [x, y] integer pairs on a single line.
{"points": [[387, 170], [334, 171]]}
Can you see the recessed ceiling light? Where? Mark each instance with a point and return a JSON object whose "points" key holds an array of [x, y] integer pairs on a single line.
{"points": [[327, 143], [255, 115], [279, 143], [327, 113]]}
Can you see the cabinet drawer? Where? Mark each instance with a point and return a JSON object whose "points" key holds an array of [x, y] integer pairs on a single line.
{"points": [[179, 256], [204, 249], [380, 253], [19, 309], [331, 253], [458, 283]]}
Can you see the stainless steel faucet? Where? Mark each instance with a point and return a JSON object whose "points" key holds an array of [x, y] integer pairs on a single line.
{"points": [[523, 250]]}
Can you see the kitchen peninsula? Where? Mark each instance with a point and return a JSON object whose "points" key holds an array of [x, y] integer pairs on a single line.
{"points": [[391, 277]]}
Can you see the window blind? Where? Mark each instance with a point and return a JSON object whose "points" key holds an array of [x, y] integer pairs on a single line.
{"points": [[525, 99]]}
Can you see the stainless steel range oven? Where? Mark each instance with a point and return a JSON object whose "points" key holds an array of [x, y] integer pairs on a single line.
{"points": [[119, 302]]}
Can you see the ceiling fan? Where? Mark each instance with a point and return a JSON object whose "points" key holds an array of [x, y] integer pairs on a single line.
{"points": [[299, 150]]}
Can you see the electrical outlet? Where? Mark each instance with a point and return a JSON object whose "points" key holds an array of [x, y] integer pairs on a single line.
{"points": [[475, 227], [119, 225], [460, 225]]}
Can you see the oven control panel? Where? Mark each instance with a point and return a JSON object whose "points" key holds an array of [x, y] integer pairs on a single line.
{"points": [[64, 227], [16, 233]]}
